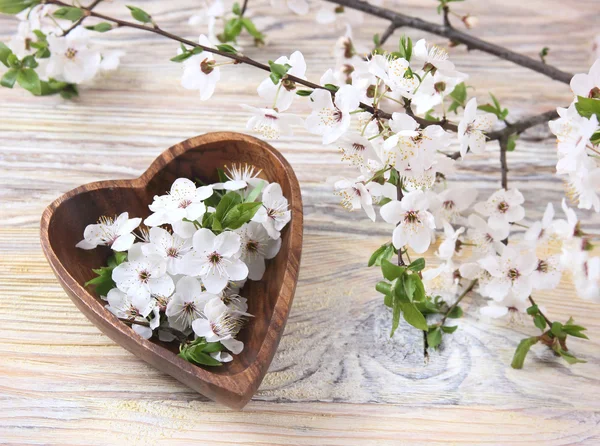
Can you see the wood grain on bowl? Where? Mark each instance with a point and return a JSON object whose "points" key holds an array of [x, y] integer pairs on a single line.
{"points": [[269, 299]]}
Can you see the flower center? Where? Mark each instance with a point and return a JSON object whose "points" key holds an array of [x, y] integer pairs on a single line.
{"points": [[503, 207], [70, 53], [273, 117], [184, 203], [215, 258], [358, 147], [207, 66], [513, 274], [411, 217], [252, 246], [448, 205], [173, 252], [144, 276], [189, 308], [337, 115], [542, 266]]}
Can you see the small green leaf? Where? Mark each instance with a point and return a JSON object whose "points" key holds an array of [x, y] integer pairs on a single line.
{"points": [[587, 107], [29, 62], [413, 316], [449, 328], [240, 214], [278, 71], [29, 80], [533, 310], [332, 87], [228, 201], [100, 27], [391, 271], [139, 14], [556, 330], [522, 350], [16, 6], [249, 26], [405, 48], [456, 313], [4, 53], [236, 9], [181, 57], [459, 94], [9, 78], [539, 321], [196, 355], [304, 92], [567, 356], [512, 142], [384, 287], [252, 196], [543, 53], [68, 13], [227, 48], [434, 337], [417, 265], [396, 310], [231, 31], [595, 139]]}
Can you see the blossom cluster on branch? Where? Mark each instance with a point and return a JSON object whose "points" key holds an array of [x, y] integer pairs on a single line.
{"points": [[179, 276], [390, 115]]}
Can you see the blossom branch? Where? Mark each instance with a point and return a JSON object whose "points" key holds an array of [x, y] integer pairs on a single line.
{"points": [[78, 22], [455, 35], [548, 321], [455, 304]]}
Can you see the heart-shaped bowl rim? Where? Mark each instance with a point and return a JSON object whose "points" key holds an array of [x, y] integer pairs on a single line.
{"points": [[233, 390]]}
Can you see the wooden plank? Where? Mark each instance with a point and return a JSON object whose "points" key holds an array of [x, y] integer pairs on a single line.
{"points": [[64, 382]]}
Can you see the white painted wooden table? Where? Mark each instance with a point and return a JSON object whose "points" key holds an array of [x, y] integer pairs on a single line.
{"points": [[337, 377]]}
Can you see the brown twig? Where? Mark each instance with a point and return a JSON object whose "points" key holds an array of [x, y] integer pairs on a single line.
{"points": [[244, 6], [399, 196], [455, 35], [387, 33], [455, 304], [548, 321]]}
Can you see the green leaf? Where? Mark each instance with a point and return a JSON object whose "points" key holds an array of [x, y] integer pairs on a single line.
{"points": [[139, 14], [240, 214], [539, 321], [413, 316], [384, 287], [556, 330], [434, 337], [29, 62], [236, 9], [405, 48], [16, 6], [68, 13], [304, 92], [521, 352], [567, 356], [231, 31], [100, 27], [449, 328], [396, 310], [417, 265], [459, 94], [227, 48], [4, 53], [574, 330], [181, 57], [9, 78], [391, 271], [587, 107], [103, 283], [512, 142], [380, 254], [29, 80], [410, 285], [278, 71], [595, 139], [456, 313], [252, 196], [332, 87], [543, 53], [228, 201], [249, 26], [196, 355], [533, 310], [488, 108]]}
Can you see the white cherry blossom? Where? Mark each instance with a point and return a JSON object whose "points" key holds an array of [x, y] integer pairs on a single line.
{"points": [[502, 207], [415, 225], [354, 195], [451, 244], [433, 58], [200, 71], [136, 308], [115, 233], [220, 324], [71, 59], [274, 214], [170, 247], [270, 123], [487, 239], [215, 259], [587, 85], [511, 272], [211, 11], [392, 71], [510, 306], [332, 119], [143, 277], [282, 94], [187, 303], [472, 129], [442, 281], [256, 247]]}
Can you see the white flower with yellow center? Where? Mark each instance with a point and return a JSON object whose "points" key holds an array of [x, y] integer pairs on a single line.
{"points": [[256, 247], [270, 123], [472, 129], [115, 233], [71, 59], [221, 324], [274, 213], [331, 119], [187, 303]]}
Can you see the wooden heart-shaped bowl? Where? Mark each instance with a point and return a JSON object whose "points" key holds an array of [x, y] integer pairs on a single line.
{"points": [[269, 299]]}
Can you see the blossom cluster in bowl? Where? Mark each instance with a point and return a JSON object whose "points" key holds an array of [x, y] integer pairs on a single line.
{"points": [[179, 274]]}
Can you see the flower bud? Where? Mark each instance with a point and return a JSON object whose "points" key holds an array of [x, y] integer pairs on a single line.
{"points": [[470, 21]]}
